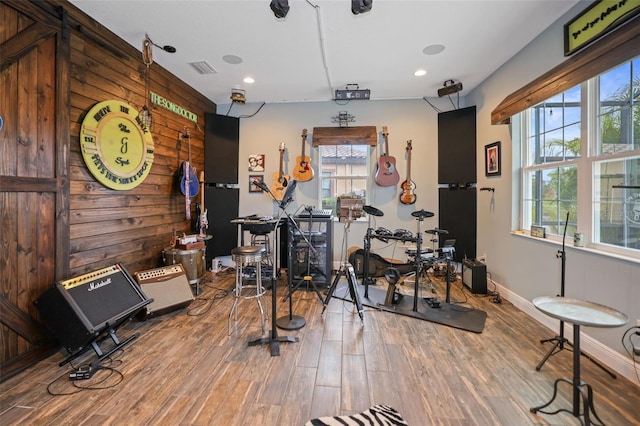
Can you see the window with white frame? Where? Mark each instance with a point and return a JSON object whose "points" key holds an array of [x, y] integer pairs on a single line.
{"points": [[581, 157], [344, 170]]}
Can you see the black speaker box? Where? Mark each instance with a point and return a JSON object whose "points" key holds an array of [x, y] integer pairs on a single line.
{"points": [[79, 309], [169, 288], [457, 212]]}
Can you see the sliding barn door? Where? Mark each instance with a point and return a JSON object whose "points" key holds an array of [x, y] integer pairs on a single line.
{"points": [[34, 184]]}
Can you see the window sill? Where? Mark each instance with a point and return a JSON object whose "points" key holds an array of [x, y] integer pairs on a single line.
{"points": [[524, 234]]}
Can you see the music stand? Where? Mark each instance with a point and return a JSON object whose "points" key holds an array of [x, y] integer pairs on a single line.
{"points": [[274, 340]]}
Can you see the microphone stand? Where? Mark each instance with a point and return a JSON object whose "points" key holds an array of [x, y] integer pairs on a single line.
{"points": [[274, 340], [291, 322], [560, 340]]}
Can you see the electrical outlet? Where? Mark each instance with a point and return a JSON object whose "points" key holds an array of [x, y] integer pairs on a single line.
{"points": [[482, 258]]}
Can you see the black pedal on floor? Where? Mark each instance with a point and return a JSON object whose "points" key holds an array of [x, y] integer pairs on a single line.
{"points": [[82, 373], [433, 302]]}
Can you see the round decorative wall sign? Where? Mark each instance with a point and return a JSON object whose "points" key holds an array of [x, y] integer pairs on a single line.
{"points": [[116, 146]]}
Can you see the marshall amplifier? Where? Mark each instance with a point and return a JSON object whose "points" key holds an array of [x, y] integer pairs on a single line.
{"points": [[79, 309], [169, 288]]}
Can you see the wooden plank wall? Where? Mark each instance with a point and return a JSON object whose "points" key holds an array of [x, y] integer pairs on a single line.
{"points": [[105, 226], [132, 227]]}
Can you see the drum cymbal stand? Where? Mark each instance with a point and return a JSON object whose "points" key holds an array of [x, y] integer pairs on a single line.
{"points": [[346, 269], [366, 279], [425, 263]]}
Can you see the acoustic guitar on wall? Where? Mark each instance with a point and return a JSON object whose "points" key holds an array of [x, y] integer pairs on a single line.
{"points": [[386, 173], [408, 186], [303, 171], [280, 180]]}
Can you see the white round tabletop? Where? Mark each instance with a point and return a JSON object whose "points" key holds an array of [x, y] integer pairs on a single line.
{"points": [[580, 312]]}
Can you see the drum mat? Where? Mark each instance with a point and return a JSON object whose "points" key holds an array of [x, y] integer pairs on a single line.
{"points": [[449, 314]]}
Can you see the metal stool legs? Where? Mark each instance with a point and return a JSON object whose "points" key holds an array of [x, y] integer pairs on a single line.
{"points": [[247, 259]]}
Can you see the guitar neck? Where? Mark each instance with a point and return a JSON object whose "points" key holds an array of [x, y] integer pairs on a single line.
{"points": [[386, 141], [202, 190], [409, 167], [281, 171], [304, 138]]}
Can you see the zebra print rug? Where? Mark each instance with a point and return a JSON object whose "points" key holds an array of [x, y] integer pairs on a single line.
{"points": [[378, 415]]}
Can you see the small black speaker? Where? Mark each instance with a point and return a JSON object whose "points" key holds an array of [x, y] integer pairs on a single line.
{"points": [[474, 276], [79, 309]]}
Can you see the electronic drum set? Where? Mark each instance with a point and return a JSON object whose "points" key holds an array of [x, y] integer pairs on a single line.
{"points": [[422, 259]]}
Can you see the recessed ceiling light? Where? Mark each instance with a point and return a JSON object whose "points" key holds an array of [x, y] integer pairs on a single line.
{"points": [[420, 73], [433, 49], [249, 80], [232, 59]]}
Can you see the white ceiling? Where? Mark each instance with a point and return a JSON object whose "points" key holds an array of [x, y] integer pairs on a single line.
{"points": [[317, 49]]}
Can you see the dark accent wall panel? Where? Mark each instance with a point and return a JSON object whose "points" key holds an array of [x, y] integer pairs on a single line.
{"points": [[222, 139], [458, 216], [457, 146], [222, 207]]}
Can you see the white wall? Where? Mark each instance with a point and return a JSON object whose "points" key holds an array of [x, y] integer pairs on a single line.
{"points": [[406, 120], [522, 267], [529, 267]]}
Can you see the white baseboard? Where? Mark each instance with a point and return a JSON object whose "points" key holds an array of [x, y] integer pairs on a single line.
{"points": [[605, 355]]}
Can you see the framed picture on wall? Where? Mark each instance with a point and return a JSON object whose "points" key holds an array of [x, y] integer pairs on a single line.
{"points": [[256, 163], [492, 159], [252, 182]]}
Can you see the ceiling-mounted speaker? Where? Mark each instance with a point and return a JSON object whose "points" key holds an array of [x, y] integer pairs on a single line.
{"points": [[361, 6], [280, 8]]}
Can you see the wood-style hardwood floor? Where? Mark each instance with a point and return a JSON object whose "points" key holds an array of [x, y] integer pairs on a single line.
{"points": [[185, 370]]}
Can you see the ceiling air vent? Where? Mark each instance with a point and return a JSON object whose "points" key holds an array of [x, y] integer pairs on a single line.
{"points": [[203, 67]]}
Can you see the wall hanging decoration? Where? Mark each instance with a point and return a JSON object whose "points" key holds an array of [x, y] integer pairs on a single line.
{"points": [[492, 159], [116, 146], [253, 179]]}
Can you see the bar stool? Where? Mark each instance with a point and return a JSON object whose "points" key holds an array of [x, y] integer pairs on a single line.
{"points": [[261, 238], [247, 259]]}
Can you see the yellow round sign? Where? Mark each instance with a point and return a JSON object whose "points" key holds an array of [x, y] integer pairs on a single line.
{"points": [[116, 146]]}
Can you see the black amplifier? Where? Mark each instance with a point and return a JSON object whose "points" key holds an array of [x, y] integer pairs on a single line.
{"points": [[474, 276], [79, 309]]}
